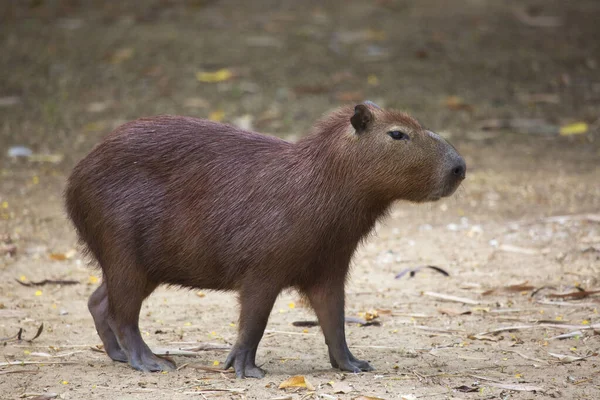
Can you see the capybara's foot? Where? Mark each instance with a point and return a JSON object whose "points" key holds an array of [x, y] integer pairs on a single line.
{"points": [[151, 363], [117, 354], [363, 365], [242, 361]]}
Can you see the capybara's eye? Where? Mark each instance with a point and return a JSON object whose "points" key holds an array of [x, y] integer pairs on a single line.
{"points": [[398, 135]]}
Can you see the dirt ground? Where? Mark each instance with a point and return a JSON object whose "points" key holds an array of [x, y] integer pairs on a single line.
{"points": [[527, 214]]}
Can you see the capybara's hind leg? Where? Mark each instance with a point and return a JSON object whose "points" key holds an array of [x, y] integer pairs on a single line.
{"points": [[126, 293], [98, 306]]}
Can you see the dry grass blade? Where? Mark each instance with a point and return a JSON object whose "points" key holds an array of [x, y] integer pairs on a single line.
{"points": [[209, 369], [506, 329], [10, 363], [521, 287], [566, 358], [206, 347], [516, 387], [159, 351], [21, 371], [580, 294], [567, 335], [48, 281], [526, 356], [38, 333], [448, 297], [567, 304]]}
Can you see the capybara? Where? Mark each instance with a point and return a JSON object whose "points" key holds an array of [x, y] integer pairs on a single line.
{"points": [[193, 203]]}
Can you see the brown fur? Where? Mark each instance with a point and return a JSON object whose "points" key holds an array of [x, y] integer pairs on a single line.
{"points": [[189, 202]]}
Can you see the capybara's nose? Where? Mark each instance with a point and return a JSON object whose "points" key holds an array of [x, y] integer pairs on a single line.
{"points": [[460, 169]]}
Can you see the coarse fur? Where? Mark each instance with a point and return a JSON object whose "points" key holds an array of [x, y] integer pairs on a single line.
{"points": [[190, 202]]}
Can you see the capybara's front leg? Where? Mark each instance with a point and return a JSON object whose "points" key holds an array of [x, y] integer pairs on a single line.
{"points": [[327, 300], [256, 304]]}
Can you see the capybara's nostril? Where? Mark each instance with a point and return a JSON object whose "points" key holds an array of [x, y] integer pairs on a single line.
{"points": [[460, 170]]}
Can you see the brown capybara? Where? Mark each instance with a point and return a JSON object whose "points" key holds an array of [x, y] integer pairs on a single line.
{"points": [[189, 202]]}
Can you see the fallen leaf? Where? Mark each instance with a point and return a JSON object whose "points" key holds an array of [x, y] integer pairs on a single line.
{"points": [[216, 115], [565, 358], [367, 398], [121, 55], [574, 295], [574, 129], [220, 75], [297, 381], [58, 256], [341, 387], [305, 323], [521, 287], [456, 103], [467, 389]]}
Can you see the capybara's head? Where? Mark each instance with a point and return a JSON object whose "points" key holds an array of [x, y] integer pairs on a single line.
{"points": [[405, 161]]}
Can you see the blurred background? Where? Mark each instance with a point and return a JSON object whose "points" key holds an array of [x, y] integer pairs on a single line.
{"points": [[514, 85]]}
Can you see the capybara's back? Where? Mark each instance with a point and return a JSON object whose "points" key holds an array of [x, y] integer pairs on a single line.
{"points": [[189, 202]]}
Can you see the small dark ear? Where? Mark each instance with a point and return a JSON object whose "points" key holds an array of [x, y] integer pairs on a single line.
{"points": [[362, 118]]}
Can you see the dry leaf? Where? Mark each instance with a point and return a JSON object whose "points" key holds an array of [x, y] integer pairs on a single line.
{"points": [[456, 103], [58, 256], [341, 387], [574, 295], [367, 398], [122, 55], [297, 381], [220, 75], [565, 358], [451, 312], [521, 287]]}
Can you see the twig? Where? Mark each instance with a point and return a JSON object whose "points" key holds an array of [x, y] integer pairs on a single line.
{"points": [[451, 298], [10, 363]]}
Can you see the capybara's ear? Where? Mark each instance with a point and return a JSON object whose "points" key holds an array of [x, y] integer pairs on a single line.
{"points": [[370, 103], [362, 118]]}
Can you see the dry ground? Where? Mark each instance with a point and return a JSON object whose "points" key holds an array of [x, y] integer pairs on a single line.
{"points": [[72, 70]]}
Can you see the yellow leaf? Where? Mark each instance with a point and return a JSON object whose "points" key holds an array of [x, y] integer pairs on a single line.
{"points": [[26, 352], [585, 322], [220, 75], [65, 382], [216, 115], [5, 204], [200, 294], [573, 349], [38, 292], [559, 318], [58, 256], [122, 55], [297, 381], [304, 330], [231, 324], [35, 180], [93, 279], [187, 324], [22, 278], [518, 376], [216, 363], [373, 80], [292, 304], [574, 129]]}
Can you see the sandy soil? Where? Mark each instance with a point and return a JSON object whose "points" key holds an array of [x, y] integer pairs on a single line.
{"points": [[70, 71]]}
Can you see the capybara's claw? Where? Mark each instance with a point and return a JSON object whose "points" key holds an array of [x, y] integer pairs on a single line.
{"points": [[243, 364], [152, 363], [363, 365]]}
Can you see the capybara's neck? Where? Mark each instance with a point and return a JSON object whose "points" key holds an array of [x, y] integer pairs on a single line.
{"points": [[337, 177]]}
